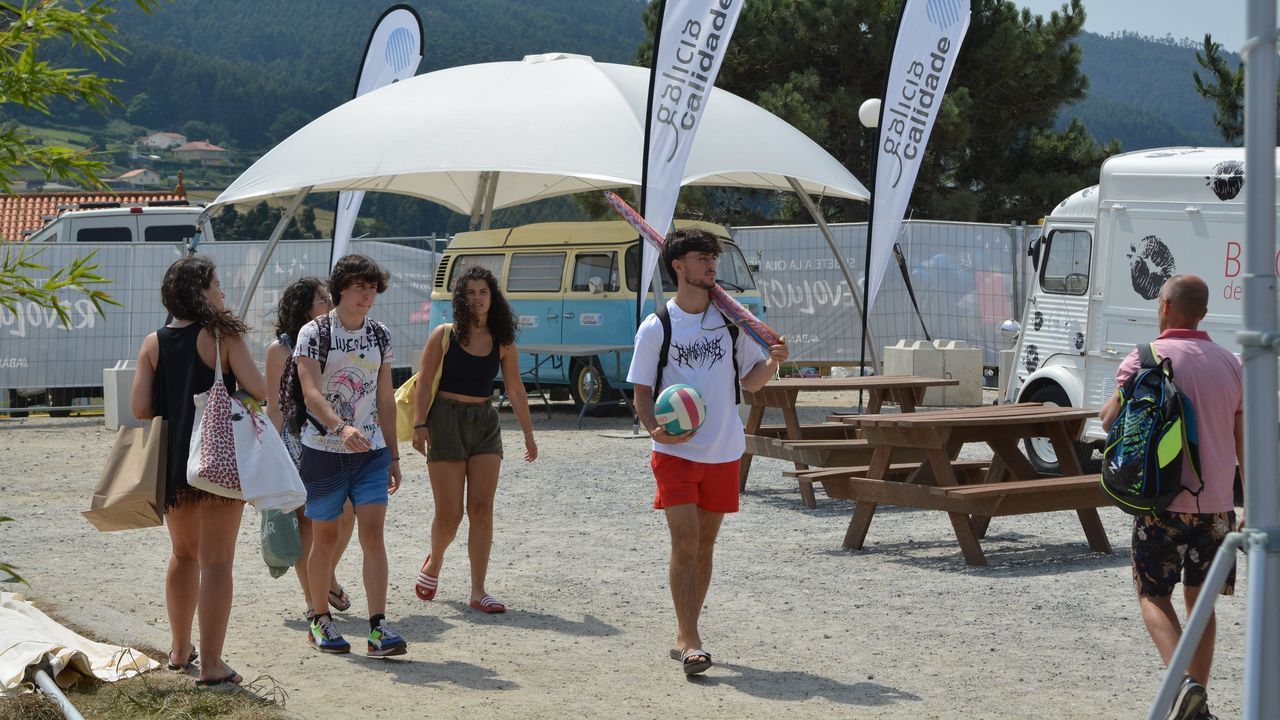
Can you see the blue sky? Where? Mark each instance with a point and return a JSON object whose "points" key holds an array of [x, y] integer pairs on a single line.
{"points": [[1224, 19]]}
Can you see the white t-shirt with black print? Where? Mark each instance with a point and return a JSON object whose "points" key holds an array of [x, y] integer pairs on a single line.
{"points": [[350, 379], [699, 356]]}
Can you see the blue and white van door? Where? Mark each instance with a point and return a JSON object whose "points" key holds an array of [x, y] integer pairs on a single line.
{"points": [[534, 285], [598, 310]]}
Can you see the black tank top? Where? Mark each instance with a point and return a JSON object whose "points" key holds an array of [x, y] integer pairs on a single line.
{"points": [[467, 374], [180, 374]]}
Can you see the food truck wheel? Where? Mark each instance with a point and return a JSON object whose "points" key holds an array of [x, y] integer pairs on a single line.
{"points": [[1040, 451]]}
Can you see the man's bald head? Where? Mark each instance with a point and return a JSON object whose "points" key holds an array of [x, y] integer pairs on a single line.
{"points": [[1187, 298]]}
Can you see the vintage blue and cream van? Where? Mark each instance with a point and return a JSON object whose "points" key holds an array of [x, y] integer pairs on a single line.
{"points": [[574, 283]]}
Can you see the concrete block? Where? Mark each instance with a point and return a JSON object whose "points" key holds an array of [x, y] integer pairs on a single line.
{"points": [[920, 358], [963, 363], [117, 386]]}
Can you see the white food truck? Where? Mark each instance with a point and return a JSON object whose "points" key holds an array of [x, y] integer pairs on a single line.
{"points": [[1104, 254]]}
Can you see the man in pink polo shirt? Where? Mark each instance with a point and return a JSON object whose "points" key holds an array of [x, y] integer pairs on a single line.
{"points": [[1181, 542]]}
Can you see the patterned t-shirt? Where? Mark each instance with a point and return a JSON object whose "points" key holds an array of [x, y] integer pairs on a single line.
{"points": [[349, 381]]}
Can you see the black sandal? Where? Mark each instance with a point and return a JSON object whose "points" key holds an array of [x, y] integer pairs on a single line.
{"points": [[218, 683], [339, 600], [184, 666]]}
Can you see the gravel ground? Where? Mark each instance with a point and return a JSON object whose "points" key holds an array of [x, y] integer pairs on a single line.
{"points": [[797, 625]]}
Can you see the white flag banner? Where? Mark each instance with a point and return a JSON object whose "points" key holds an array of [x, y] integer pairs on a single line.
{"points": [[929, 36], [392, 54], [693, 36]]}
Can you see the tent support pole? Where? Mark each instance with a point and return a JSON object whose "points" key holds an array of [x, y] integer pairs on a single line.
{"points": [[816, 214], [1262, 492], [477, 202], [285, 218], [487, 216]]}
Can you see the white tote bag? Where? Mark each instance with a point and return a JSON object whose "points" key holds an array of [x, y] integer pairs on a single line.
{"points": [[235, 451]]}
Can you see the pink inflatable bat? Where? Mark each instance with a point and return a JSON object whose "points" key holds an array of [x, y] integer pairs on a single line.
{"points": [[732, 310]]}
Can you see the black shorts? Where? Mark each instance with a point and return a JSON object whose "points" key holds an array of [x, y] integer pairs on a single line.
{"points": [[1169, 547]]}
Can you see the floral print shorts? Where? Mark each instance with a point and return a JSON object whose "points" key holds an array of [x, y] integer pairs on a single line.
{"points": [[1169, 546]]}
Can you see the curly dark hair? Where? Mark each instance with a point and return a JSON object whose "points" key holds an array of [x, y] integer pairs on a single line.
{"points": [[501, 320], [682, 242], [182, 294], [294, 309], [356, 268]]}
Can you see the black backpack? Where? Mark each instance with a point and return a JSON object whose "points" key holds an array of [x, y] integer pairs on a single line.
{"points": [[1153, 435], [324, 338], [664, 318]]}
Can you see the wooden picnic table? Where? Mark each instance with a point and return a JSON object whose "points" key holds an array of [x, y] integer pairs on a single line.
{"points": [[907, 391], [1009, 486]]}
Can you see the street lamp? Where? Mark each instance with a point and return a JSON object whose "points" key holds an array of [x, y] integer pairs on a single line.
{"points": [[869, 113]]}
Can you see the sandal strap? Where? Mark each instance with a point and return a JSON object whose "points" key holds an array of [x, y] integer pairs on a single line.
{"points": [[427, 581], [694, 652], [490, 601]]}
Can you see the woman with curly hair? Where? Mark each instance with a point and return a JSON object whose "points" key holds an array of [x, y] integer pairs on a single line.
{"points": [[175, 363], [303, 301], [458, 429]]}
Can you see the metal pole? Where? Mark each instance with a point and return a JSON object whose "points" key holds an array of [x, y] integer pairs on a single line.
{"points": [[50, 688], [1262, 455], [477, 202], [288, 214], [487, 216], [816, 214]]}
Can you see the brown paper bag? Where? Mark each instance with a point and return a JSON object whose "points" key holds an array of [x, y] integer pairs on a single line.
{"points": [[130, 494]]}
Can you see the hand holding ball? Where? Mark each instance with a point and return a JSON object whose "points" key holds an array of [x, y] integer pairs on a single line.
{"points": [[680, 409]]}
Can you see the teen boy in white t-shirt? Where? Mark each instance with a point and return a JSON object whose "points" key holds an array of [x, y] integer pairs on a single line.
{"points": [[696, 472], [349, 444]]}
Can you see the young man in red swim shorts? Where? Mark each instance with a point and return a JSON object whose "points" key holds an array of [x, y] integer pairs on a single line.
{"points": [[696, 472]]}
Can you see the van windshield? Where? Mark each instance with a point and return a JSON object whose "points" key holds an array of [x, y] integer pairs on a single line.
{"points": [[731, 273]]}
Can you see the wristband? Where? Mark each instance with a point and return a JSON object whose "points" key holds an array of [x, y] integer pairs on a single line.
{"points": [[422, 426], [395, 458], [339, 427]]}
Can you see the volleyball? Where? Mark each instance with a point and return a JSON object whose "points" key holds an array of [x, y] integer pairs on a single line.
{"points": [[680, 408]]}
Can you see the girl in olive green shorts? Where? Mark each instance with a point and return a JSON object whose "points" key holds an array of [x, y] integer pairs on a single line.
{"points": [[457, 428]]}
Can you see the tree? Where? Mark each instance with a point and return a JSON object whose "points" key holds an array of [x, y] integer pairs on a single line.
{"points": [[1224, 86], [29, 81], [994, 154]]}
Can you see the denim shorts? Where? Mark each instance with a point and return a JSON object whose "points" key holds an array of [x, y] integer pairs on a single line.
{"points": [[463, 430], [331, 478]]}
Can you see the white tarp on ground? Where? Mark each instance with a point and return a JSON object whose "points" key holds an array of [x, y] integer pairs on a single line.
{"points": [[549, 125], [29, 637]]}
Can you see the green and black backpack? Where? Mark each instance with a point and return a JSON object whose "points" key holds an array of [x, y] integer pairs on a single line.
{"points": [[1151, 438]]}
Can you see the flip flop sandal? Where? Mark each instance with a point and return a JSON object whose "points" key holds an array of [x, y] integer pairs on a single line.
{"points": [[675, 654], [224, 683], [488, 604], [191, 661], [426, 586], [691, 664], [339, 600]]}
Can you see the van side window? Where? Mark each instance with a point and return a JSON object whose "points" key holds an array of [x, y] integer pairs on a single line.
{"points": [[1064, 269], [104, 235], [535, 272], [463, 263], [600, 267], [631, 261], [169, 233]]}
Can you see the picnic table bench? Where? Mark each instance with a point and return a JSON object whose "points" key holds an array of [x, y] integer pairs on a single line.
{"points": [[792, 441], [1009, 485]]}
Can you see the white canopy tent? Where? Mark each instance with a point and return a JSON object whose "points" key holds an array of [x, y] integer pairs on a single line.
{"points": [[482, 137]]}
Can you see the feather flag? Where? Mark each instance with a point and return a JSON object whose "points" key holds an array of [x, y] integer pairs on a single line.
{"points": [[392, 54]]}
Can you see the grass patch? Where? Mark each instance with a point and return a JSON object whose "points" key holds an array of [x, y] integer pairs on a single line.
{"points": [[59, 137], [158, 695]]}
